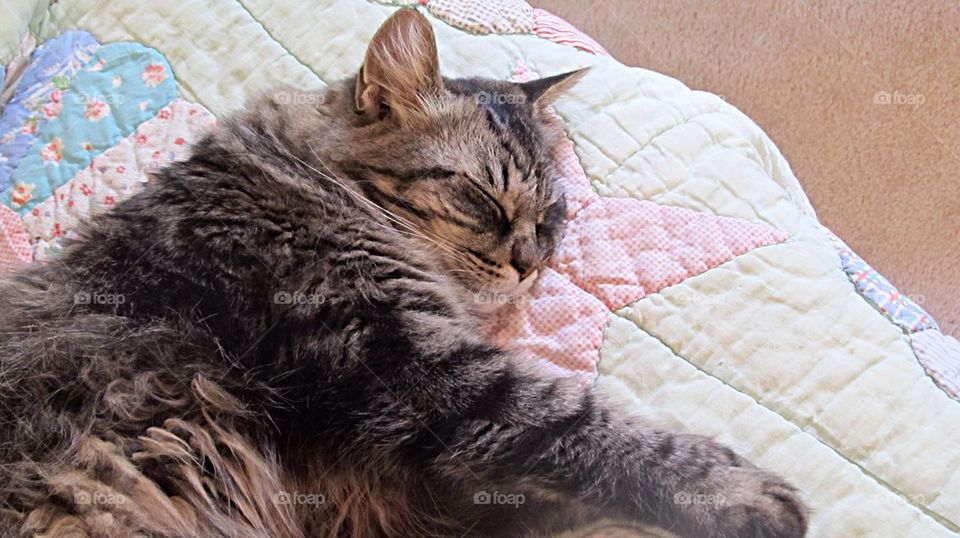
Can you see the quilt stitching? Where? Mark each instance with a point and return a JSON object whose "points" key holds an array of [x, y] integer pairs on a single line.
{"points": [[939, 355], [478, 18], [899, 308], [273, 38], [615, 251], [115, 175], [124, 85], [37, 95], [762, 153], [940, 519]]}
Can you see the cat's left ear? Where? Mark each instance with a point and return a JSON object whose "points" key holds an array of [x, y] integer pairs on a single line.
{"points": [[400, 68], [543, 91]]}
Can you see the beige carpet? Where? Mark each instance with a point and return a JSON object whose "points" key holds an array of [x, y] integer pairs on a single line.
{"points": [[884, 177]]}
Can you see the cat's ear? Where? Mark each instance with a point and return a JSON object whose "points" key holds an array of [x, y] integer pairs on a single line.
{"points": [[543, 91], [400, 67]]}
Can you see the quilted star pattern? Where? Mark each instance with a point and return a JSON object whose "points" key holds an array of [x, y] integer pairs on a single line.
{"points": [[939, 354], [116, 174], [39, 95], [614, 252], [506, 17], [123, 85], [81, 132], [489, 17], [14, 246], [792, 355], [902, 309]]}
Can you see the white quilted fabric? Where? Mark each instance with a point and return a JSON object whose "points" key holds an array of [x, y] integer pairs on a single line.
{"points": [[773, 352]]}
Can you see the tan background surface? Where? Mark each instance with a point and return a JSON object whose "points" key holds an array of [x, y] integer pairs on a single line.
{"points": [[884, 177]]}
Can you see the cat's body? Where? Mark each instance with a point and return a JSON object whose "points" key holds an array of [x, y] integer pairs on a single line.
{"points": [[254, 347]]}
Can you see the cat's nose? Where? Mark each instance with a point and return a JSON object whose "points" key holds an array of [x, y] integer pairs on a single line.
{"points": [[524, 270], [524, 258]]}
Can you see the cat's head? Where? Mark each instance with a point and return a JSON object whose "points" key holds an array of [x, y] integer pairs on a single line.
{"points": [[466, 161]]}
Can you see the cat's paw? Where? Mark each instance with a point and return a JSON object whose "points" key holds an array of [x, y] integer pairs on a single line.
{"points": [[754, 503]]}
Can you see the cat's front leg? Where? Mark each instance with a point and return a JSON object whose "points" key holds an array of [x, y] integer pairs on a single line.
{"points": [[554, 439], [433, 398]]}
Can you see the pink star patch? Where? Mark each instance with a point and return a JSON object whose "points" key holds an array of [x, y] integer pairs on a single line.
{"points": [[14, 246]]}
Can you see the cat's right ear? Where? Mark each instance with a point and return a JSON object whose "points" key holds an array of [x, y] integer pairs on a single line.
{"points": [[543, 91], [400, 68]]}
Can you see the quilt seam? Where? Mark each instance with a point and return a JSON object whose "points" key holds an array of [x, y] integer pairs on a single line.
{"points": [[278, 42], [938, 518], [720, 111]]}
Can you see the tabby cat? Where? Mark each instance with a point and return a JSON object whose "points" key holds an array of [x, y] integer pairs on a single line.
{"points": [[278, 338]]}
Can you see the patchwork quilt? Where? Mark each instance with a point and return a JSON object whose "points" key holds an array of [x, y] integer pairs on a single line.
{"points": [[694, 281]]}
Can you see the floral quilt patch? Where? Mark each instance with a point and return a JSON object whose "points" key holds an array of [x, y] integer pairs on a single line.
{"points": [[121, 86], [83, 128]]}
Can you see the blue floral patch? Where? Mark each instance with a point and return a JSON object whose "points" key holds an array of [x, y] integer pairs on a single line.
{"points": [[38, 93], [122, 85]]}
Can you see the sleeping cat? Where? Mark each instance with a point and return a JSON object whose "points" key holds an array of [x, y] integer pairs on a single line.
{"points": [[278, 338]]}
